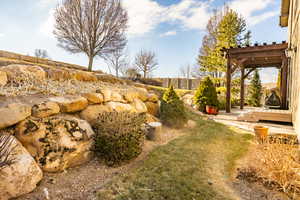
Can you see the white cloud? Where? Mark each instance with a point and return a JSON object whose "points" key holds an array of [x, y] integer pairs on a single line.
{"points": [[2, 35], [248, 8], [169, 33], [146, 15], [48, 26]]}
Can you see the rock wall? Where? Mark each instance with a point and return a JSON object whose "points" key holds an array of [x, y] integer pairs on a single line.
{"points": [[54, 133]]}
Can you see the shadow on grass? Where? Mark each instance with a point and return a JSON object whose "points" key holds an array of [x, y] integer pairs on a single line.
{"points": [[194, 166]]}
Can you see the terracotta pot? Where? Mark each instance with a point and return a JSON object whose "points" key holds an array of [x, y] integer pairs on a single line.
{"points": [[212, 110], [261, 133]]}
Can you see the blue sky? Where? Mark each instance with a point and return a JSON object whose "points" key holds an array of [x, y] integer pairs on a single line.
{"points": [[173, 29]]}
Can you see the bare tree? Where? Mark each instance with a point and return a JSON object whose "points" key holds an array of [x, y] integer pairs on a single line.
{"points": [[185, 71], [117, 61], [6, 149], [145, 62], [41, 53], [93, 27]]}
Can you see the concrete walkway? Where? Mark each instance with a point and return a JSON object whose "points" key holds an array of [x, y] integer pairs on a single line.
{"points": [[230, 119]]}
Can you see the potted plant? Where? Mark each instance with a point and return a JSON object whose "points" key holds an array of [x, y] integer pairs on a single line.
{"points": [[206, 97], [212, 110]]}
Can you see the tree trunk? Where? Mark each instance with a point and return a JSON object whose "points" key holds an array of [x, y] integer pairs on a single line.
{"points": [[91, 59]]}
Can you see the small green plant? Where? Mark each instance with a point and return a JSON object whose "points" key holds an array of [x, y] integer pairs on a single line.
{"points": [[119, 136], [206, 94], [255, 90], [172, 110]]}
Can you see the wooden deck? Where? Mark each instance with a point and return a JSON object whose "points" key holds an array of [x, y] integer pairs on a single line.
{"points": [[266, 115]]}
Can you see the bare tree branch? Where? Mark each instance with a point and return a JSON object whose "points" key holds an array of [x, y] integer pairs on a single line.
{"points": [[145, 62], [118, 61], [6, 148], [93, 27]]}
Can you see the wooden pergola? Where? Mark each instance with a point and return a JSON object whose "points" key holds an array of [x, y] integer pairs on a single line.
{"points": [[251, 57]]}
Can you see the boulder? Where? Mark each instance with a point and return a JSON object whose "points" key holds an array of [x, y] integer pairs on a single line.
{"points": [[3, 78], [117, 97], [121, 107], [139, 93], [130, 95], [83, 76], [94, 98], [110, 95], [153, 108], [153, 98], [13, 113], [45, 109], [70, 104], [92, 112], [58, 142], [188, 99], [139, 106], [34, 72], [22, 176], [150, 118], [58, 74]]}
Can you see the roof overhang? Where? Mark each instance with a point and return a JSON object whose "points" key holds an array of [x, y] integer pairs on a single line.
{"points": [[284, 17]]}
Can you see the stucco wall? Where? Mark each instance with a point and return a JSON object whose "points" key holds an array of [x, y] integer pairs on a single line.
{"points": [[294, 69]]}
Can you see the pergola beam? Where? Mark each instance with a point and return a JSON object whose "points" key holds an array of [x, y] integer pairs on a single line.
{"points": [[228, 85], [253, 58]]}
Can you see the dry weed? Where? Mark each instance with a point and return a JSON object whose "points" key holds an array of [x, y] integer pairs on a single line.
{"points": [[276, 164]]}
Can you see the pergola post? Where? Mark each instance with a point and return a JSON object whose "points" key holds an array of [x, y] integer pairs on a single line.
{"points": [[228, 86], [283, 90], [242, 100]]}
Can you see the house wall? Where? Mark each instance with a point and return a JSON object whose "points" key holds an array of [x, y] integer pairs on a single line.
{"points": [[294, 62]]}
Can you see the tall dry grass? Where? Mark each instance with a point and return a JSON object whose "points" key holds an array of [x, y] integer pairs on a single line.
{"points": [[276, 164]]}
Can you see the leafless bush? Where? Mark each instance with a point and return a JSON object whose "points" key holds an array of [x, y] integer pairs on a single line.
{"points": [[6, 148]]}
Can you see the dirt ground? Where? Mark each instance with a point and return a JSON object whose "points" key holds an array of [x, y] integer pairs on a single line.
{"points": [[82, 182]]}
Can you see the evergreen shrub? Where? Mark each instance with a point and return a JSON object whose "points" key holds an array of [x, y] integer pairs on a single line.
{"points": [[172, 110], [206, 94]]}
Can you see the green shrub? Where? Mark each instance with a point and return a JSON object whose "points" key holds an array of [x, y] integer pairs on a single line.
{"points": [[255, 90], [206, 94], [119, 136], [172, 110]]}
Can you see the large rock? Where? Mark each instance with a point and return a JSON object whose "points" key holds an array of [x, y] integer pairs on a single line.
{"points": [[138, 93], [94, 98], [92, 112], [3, 78], [57, 142], [150, 118], [139, 106], [13, 113], [14, 71], [153, 108], [110, 95], [188, 99], [153, 98], [45, 109], [121, 107], [83, 76], [70, 104], [22, 176]]}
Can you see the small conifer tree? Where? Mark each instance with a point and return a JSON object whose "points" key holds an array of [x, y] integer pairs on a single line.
{"points": [[206, 94], [172, 110], [255, 90]]}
